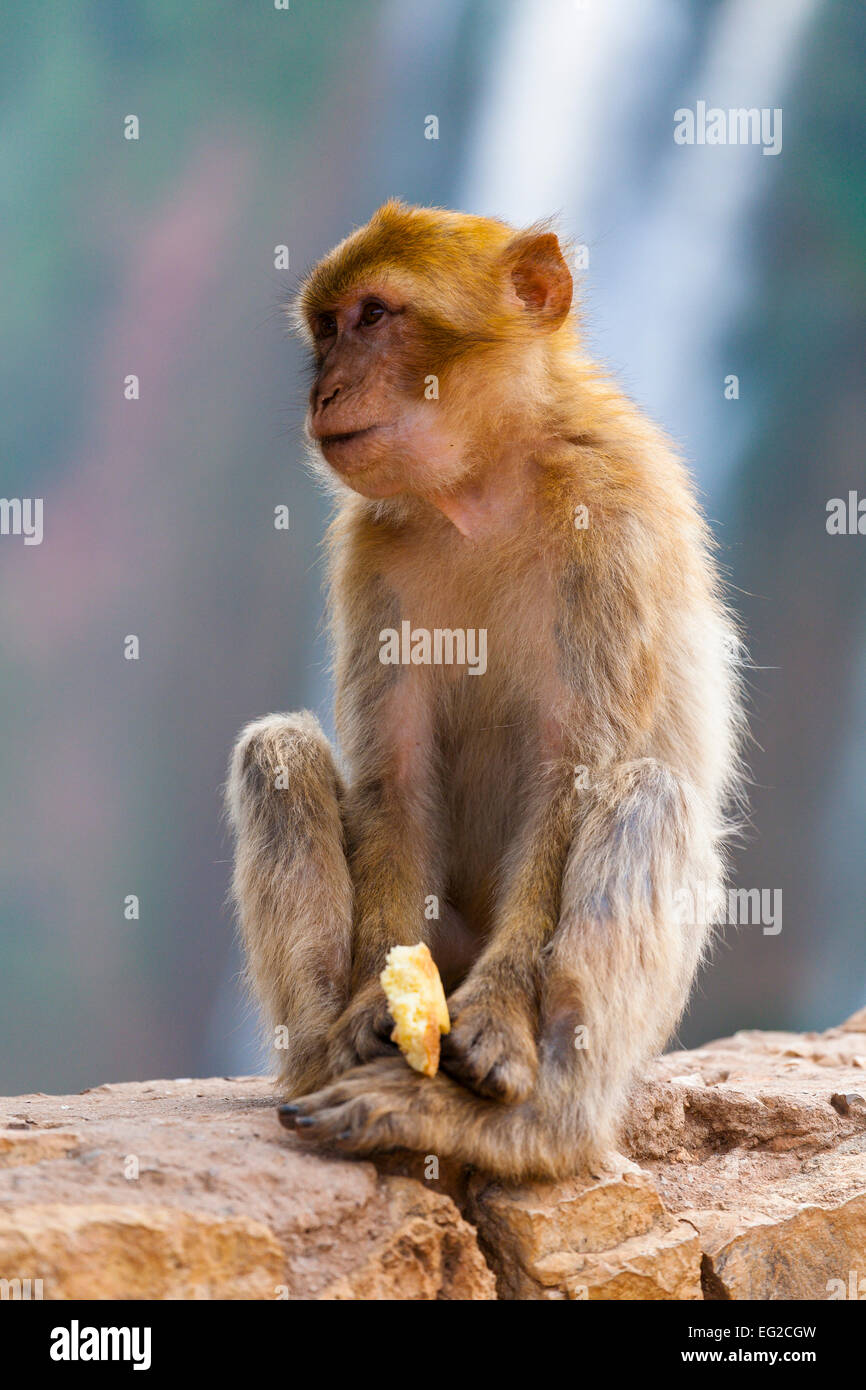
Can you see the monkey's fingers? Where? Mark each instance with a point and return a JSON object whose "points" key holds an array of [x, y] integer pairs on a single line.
{"points": [[383, 1027], [362, 1033], [489, 1056]]}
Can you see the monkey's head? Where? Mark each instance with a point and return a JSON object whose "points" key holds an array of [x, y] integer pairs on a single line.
{"points": [[434, 335]]}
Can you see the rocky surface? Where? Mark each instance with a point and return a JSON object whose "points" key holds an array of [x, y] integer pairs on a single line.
{"points": [[743, 1176]]}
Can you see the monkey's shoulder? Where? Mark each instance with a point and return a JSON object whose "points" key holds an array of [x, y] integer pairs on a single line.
{"points": [[621, 503]]}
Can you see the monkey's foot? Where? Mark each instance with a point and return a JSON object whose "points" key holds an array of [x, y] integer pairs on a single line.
{"points": [[379, 1107], [491, 1052]]}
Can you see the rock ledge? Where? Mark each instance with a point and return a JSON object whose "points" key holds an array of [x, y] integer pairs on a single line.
{"points": [[743, 1177]]}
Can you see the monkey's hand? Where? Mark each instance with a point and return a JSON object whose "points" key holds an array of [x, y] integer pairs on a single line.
{"points": [[491, 1046], [363, 1030]]}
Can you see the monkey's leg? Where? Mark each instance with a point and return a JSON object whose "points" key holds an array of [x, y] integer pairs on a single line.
{"points": [[632, 932], [615, 978], [292, 887]]}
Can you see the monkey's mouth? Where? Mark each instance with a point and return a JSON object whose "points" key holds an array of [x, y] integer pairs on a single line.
{"points": [[329, 441]]}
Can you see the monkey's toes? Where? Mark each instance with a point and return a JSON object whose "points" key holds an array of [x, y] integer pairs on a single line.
{"points": [[345, 1119]]}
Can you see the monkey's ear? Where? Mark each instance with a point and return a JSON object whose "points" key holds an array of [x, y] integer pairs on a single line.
{"points": [[540, 278]]}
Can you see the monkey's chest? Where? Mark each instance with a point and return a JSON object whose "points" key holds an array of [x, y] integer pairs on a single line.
{"points": [[484, 632], [482, 647]]}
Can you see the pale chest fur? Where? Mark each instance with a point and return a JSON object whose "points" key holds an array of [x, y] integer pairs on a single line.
{"points": [[489, 723], [500, 601]]}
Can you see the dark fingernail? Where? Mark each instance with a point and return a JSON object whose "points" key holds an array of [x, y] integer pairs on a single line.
{"points": [[304, 1121]]}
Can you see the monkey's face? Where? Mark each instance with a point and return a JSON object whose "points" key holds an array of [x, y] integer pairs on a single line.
{"points": [[374, 411], [430, 331]]}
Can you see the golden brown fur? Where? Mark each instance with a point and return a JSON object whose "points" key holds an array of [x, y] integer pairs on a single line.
{"points": [[559, 932]]}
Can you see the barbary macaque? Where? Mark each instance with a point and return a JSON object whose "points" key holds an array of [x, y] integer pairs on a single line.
{"points": [[540, 823]]}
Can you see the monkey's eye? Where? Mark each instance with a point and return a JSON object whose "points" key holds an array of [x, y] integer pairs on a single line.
{"points": [[325, 325], [371, 312]]}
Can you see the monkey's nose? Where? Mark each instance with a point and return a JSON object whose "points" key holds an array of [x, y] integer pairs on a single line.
{"points": [[324, 399]]}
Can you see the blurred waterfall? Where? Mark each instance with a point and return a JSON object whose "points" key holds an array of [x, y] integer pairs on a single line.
{"points": [[577, 119]]}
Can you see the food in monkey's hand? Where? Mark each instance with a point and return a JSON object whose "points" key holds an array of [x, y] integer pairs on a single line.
{"points": [[417, 1002]]}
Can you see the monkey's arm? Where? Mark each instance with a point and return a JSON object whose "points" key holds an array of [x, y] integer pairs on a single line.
{"points": [[383, 718]]}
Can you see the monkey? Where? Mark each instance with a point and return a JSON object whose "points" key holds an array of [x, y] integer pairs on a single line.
{"points": [[542, 824]]}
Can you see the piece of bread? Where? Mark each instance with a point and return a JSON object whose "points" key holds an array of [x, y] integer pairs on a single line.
{"points": [[417, 1002]]}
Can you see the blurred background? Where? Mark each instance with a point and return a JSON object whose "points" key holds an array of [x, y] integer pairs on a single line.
{"points": [[262, 127]]}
